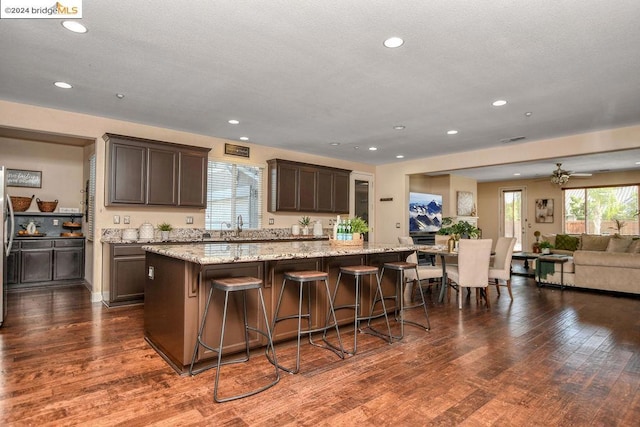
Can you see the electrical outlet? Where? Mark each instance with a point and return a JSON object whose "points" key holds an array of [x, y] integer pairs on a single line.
{"points": [[55, 222], [189, 220], [116, 219], [151, 272], [271, 221], [126, 219]]}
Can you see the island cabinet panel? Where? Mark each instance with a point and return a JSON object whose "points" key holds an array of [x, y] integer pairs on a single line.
{"points": [[388, 281], [302, 187], [155, 173], [346, 292], [288, 329]]}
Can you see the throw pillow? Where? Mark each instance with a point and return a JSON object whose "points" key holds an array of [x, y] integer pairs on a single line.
{"points": [[566, 242], [592, 242], [551, 238], [634, 247], [618, 245]]}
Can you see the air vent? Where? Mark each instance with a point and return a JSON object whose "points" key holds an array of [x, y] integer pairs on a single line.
{"points": [[512, 139]]}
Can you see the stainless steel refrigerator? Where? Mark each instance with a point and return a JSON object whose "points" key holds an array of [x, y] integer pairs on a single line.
{"points": [[6, 234]]}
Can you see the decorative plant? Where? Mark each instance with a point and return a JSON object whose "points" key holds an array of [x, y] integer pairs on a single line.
{"points": [[545, 245], [305, 221], [359, 225], [459, 229], [165, 226]]}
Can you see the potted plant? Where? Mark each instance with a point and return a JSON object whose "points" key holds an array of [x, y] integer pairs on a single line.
{"points": [[165, 228], [545, 246], [461, 229], [304, 222], [358, 227]]}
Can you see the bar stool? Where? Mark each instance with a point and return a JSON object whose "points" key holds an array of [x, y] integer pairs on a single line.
{"points": [[401, 267], [307, 278], [229, 285], [358, 271]]}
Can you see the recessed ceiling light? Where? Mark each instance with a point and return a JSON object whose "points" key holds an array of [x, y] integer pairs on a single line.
{"points": [[528, 114], [234, 121], [637, 163], [119, 95], [399, 156], [63, 85], [398, 127], [393, 42], [452, 132], [516, 174], [373, 148], [357, 147], [334, 144], [74, 26], [244, 138], [499, 103]]}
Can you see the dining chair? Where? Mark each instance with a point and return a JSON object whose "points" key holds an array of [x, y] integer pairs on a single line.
{"points": [[472, 271], [501, 268], [425, 271]]}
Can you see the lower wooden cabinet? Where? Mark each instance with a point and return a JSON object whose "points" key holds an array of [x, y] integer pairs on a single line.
{"points": [[45, 261], [125, 283]]}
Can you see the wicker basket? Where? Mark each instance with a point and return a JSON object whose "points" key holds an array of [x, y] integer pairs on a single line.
{"points": [[21, 204], [47, 206], [346, 243]]}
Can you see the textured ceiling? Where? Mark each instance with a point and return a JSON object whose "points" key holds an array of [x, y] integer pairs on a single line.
{"points": [[302, 74]]}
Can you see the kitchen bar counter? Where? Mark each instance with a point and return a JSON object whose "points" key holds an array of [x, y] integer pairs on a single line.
{"points": [[179, 279]]}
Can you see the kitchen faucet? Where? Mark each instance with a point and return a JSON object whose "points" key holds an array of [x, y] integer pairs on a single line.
{"points": [[239, 224]]}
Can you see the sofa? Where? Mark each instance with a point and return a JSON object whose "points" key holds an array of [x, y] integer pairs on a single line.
{"points": [[603, 262]]}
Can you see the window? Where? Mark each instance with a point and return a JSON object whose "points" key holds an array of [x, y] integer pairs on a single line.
{"points": [[604, 210], [233, 190]]}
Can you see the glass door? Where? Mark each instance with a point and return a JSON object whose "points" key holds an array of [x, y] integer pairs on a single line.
{"points": [[362, 201], [511, 224]]}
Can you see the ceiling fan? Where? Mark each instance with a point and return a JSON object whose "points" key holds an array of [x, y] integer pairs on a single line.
{"points": [[561, 176]]}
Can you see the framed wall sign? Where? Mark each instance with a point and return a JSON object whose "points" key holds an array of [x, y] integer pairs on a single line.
{"points": [[24, 178], [236, 150], [544, 210], [465, 203]]}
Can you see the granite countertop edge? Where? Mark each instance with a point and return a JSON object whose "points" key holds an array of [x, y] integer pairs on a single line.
{"points": [[228, 252], [118, 240]]}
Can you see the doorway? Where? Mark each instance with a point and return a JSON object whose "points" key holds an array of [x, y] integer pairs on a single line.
{"points": [[362, 201], [512, 201]]}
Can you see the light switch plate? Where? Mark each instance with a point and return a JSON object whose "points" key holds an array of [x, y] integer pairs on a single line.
{"points": [[189, 220], [270, 221], [126, 219], [116, 219]]}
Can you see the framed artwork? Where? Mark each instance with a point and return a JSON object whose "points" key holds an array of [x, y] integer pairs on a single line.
{"points": [[24, 178], [544, 210], [465, 203]]}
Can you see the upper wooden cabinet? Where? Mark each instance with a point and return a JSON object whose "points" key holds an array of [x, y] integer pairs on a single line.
{"points": [[147, 172], [301, 187]]}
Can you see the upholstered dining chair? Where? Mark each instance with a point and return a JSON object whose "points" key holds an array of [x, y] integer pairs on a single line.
{"points": [[501, 268], [472, 271], [425, 271]]}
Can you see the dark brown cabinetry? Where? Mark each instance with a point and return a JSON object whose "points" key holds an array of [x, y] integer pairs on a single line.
{"points": [[45, 261], [127, 275], [301, 187], [148, 172]]}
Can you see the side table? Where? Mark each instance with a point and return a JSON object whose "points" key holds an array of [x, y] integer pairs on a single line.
{"points": [[553, 259], [526, 256]]}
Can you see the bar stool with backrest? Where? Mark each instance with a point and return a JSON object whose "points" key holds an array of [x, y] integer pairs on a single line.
{"points": [[228, 286], [358, 272], [401, 267], [304, 280]]}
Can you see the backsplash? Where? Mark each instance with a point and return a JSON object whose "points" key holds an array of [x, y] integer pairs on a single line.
{"points": [[114, 235]]}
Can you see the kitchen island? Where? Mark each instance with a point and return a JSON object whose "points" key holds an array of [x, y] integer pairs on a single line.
{"points": [[178, 281]]}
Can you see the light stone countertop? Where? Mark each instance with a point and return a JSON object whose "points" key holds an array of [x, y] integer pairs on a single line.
{"points": [[226, 253]]}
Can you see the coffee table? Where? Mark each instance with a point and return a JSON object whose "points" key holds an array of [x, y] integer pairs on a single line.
{"points": [[526, 256]]}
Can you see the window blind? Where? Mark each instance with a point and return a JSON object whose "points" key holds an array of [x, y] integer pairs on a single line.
{"points": [[233, 190]]}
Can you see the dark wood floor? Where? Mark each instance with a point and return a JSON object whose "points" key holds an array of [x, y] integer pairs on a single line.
{"points": [[548, 358]]}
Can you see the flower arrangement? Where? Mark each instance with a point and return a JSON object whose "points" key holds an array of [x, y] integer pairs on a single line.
{"points": [[358, 225], [461, 229]]}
